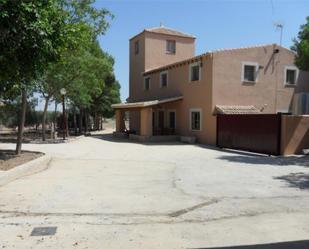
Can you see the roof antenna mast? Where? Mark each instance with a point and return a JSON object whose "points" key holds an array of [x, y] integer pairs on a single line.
{"points": [[279, 26]]}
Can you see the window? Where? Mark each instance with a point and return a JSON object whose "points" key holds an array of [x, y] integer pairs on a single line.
{"points": [[136, 47], [146, 83], [249, 71], [171, 46], [195, 119], [172, 119], [290, 75], [163, 79], [195, 72]]}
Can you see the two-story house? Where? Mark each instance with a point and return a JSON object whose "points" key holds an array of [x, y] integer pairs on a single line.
{"points": [[172, 91]]}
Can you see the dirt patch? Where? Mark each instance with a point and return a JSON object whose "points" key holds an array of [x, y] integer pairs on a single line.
{"points": [[9, 160]]}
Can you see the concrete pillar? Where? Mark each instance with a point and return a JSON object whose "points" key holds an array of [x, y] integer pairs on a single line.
{"points": [[146, 121], [120, 125]]}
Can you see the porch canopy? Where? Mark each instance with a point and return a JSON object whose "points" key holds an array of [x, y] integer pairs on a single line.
{"points": [[145, 108]]}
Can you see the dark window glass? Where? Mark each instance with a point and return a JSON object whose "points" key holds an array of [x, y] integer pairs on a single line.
{"points": [[290, 76], [195, 73], [172, 120], [195, 120], [147, 84], [136, 47], [171, 46], [164, 80], [153, 119], [249, 73]]}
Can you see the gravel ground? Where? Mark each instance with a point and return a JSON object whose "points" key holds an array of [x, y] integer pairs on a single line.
{"points": [[102, 192]]}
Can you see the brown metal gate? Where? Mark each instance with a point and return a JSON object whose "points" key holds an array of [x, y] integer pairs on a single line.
{"points": [[251, 132]]}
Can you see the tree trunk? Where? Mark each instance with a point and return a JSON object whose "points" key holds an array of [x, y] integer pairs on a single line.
{"points": [[101, 123], [74, 121], [95, 121], [67, 123], [86, 121], [44, 118], [80, 121], [21, 121]]}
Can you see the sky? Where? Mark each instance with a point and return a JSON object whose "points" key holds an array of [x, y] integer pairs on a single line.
{"points": [[216, 24]]}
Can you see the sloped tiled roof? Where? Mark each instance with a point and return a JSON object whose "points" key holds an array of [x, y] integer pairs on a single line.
{"points": [[168, 31], [236, 109]]}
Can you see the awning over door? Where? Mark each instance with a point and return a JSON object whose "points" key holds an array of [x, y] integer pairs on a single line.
{"points": [[147, 103]]}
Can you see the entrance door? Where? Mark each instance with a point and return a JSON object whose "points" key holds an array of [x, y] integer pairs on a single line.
{"points": [[172, 120], [161, 120]]}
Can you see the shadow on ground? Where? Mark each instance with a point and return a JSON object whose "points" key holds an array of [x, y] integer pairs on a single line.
{"points": [[247, 158], [303, 244], [298, 180], [267, 160], [110, 138]]}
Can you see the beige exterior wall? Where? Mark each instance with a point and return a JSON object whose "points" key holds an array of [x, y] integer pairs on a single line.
{"points": [[196, 95], [220, 84], [119, 117], [294, 134], [152, 54], [155, 50], [137, 66], [146, 122], [269, 89]]}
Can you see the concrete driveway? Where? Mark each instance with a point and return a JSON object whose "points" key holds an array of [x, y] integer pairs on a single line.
{"points": [[102, 192]]}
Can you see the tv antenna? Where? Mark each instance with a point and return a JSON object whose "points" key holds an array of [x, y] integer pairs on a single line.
{"points": [[279, 27]]}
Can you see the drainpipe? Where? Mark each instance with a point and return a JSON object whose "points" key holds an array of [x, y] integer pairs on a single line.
{"points": [[276, 51]]}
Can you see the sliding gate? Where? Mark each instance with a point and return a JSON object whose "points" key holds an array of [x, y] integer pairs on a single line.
{"points": [[251, 132]]}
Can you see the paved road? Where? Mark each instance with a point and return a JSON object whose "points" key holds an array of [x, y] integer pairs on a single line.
{"points": [[106, 193]]}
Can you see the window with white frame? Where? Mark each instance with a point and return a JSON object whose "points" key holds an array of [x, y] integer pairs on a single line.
{"points": [[290, 75], [195, 119], [195, 72], [249, 71], [136, 47], [171, 46], [163, 79], [146, 83]]}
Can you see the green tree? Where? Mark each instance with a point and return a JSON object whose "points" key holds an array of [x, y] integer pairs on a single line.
{"points": [[87, 23], [301, 47], [33, 33]]}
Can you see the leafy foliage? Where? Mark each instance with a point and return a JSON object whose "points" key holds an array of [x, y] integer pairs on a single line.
{"points": [[52, 44], [32, 34], [301, 47]]}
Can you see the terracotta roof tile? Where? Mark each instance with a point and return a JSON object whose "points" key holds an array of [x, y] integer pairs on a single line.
{"points": [[236, 109], [168, 31]]}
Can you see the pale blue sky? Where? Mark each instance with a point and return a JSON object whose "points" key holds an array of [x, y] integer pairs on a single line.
{"points": [[216, 24]]}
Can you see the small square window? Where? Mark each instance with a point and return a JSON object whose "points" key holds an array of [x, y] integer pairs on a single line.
{"points": [[195, 72], [147, 83], [171, 46], [195, 120], [136, 47], [163, 79], [290, 77], [249, 73]]}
